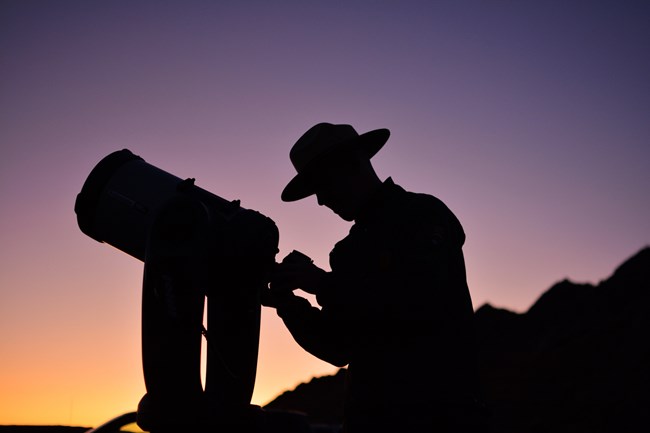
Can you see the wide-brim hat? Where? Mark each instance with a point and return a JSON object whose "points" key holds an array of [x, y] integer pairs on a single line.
{"points": [[324, 139]]}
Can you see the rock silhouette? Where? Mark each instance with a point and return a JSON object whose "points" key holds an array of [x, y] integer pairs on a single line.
{"points": [[576, 361]]}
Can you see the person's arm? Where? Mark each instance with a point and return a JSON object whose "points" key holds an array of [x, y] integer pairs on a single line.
{"points": [[314, 331], [319, 332]]}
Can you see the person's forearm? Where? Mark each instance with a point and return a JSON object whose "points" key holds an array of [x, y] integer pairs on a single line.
{"points": [[313, 333]]}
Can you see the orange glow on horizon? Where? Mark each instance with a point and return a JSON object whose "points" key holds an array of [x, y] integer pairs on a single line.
{"points": [[104, 385]]}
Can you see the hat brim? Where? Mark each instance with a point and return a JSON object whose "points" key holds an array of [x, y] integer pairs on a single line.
{"points": [[370, 143]]}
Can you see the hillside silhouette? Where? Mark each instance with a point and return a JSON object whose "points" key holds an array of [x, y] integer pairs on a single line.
{"points": [[576, 361]]}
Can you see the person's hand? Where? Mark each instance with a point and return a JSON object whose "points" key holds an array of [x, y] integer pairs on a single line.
{"points": [[296, 272], [274, 299]]}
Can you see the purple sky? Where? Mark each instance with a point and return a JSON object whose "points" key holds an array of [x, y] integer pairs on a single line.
{"points": [[530, 119]]}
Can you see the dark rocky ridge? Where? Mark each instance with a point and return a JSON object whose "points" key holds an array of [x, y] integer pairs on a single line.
{"points": [[576, 361]]}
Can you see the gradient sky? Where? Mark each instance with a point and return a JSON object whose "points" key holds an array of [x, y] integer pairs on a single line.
{"points": [[530, 119]]}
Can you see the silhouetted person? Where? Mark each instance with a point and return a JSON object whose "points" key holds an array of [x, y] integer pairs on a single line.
{"points": [[395, 307]]}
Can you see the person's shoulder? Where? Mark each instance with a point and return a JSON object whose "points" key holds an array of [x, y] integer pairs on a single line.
{"points": [[425, 208], [420, 201]]}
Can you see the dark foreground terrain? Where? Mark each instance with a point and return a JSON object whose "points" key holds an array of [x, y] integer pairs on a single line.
{"points": [[41, 429]]}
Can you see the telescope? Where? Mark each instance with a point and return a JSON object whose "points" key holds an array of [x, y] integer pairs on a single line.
{"points": [[195, 246]]}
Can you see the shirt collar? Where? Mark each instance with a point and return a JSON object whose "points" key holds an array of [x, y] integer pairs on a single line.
{"points": [[375, 202]]}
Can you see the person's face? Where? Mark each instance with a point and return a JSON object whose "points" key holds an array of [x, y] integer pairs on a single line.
{"points": [[335, 196], [335, 189]]}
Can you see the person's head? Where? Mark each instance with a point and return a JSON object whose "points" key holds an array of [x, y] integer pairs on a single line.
{"points": [[333, 162]]}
